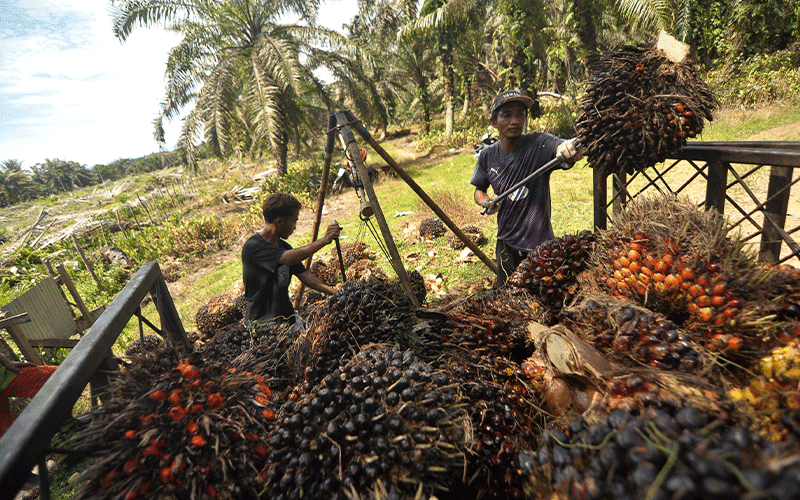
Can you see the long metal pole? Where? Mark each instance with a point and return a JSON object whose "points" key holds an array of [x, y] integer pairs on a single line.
{"points": [[424, 196], [345, 119], [323, 186]]}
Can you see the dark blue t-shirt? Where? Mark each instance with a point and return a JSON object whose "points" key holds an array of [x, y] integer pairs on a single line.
{"points": [[266, 280], [523, 221]]}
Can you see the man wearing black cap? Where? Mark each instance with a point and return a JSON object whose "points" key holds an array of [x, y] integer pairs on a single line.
{"points": [[523, 219]]}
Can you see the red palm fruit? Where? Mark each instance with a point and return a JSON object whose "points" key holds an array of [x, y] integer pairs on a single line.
{"points": [[634, 255], [636, 247], [691, 307], [611, 283], [651, 261], [647, 271], [624, 261], [640, 288], [704, 279], [717, 301], [703, 301], [673, 281], [705, 314], [720, 320], [658, 277], [668, 259], [616, 264], [635, 267], [735, 343], [687, 274], [696, 290], [719, 288], [730, 312]]}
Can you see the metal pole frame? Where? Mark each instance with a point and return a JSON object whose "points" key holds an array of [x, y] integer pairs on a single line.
{"points": [[27, 441]]}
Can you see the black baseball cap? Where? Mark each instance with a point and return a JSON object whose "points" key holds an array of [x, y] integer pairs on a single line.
{"points": [[508, 96]]}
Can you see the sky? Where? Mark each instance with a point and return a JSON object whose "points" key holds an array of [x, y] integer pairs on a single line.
{"points": [[70, 90]]}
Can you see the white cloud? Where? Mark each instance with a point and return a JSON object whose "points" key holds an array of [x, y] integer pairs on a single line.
{"points": [[70, 90]]}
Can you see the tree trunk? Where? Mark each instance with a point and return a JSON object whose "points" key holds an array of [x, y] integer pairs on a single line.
{"points": [[447, 62], [586, 15], [467, 99], [281, 154]]}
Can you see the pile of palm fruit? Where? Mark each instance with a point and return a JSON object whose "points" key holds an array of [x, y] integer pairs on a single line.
{"points": [[613, 391], [639, 108], [220, 311]]}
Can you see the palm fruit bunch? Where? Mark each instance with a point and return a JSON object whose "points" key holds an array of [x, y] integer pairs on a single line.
{"points": [[550, 271], [773, 392], [328, 274], [492, 323], [234, 340], [666, 254], [639, 108], [505, 422], [637, 391], [363, 269], [417, 285], [142, 345], [431, 228], [351, 253], [471, 231], [178, 428], [658, 454], [359, 313], [622, 329], [219, 311], [384, 416]]}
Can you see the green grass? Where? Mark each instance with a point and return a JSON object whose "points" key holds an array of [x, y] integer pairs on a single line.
{"points": [[735, 124]]}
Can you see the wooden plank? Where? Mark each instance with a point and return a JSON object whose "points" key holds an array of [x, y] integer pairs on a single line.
{"points": [[775, 214], [49, 315], [24, 346], [6, 321], [600, 200], [73, 291], [715, 185], [67, 343]]}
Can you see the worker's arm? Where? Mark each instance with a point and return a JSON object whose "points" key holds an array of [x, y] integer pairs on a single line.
{"points": [[310, 280], [297, 255], [14, 366]]}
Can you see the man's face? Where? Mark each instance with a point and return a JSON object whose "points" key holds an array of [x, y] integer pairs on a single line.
{"points": [[510, 121], [286, 225]]}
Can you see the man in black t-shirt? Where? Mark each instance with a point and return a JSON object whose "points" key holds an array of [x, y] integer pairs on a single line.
{"points": [[269, 262], [523, 219]]}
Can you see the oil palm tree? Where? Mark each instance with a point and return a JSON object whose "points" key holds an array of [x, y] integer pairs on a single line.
{"points": [[246, 76]]}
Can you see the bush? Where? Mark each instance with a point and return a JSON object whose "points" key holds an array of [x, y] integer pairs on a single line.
{"points": [[295, 182], [758, 79]]}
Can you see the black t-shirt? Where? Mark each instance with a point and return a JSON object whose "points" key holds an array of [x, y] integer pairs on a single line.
{"points": [[523, 221], [266, 281]]}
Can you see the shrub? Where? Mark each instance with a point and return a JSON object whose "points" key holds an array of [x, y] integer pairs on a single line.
{"points": [[757, 79]]}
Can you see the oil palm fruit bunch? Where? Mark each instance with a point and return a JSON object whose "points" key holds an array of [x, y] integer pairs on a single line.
{"points": [[505, 421], [178, 428], [680, 261], [493, 322], [622, 329], [351, 253], [384, 415], [550, 271], [638, 390], [658, 454], [142, 345], [774, 391], [219, 311], [639, 108], [431, 228], [359, 313], [471, 231], [364, 269], [328, 274]]}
